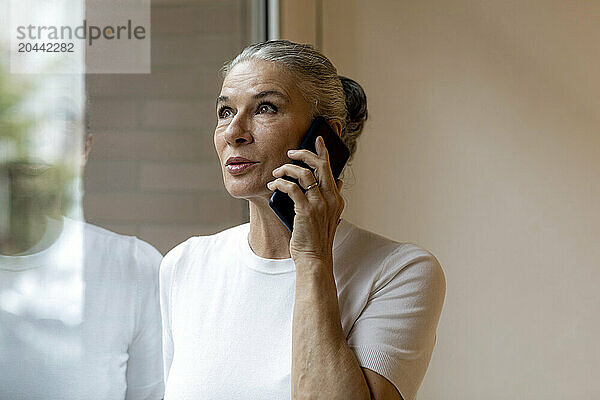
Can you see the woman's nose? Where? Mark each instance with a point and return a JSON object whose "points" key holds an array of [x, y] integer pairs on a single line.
{"points": [[237, 132]]}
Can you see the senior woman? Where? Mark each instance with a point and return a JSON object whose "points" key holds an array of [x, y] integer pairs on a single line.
{"points": [[330, 311]]}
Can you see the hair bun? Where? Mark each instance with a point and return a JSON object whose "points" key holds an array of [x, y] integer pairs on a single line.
{"points": [[356, 104]]}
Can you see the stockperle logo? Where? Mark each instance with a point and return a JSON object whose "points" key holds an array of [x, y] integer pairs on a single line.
{"points": [[91, 33], [76, 36]]}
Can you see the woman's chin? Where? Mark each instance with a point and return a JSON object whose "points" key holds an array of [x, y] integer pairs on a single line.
{"points": [[248, 192]]}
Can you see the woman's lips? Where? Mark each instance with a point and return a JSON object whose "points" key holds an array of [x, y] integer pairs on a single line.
{"points": [[239, 168], [237, 165]]}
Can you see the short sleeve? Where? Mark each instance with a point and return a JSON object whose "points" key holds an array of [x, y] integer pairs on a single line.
{"points": [[395, 333], [144, 367]]}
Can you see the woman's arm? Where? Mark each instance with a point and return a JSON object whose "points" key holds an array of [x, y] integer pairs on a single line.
{"points": [[380, 387], [323, 366]]}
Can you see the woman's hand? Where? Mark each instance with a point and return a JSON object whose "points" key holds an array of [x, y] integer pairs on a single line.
{"points": [[318, 210]]}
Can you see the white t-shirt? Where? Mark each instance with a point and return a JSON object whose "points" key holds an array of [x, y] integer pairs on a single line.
{"points": [[81, 318], [227, 313]]}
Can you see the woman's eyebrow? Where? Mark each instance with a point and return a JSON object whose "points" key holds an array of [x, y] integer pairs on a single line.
{"points": [[260, 95], [221, 99], [266, 93]]}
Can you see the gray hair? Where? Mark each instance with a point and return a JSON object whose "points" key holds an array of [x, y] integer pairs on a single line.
{"points": [[330, 95]]}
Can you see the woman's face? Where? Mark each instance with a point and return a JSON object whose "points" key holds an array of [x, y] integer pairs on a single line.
{"points": [[260, 116]]}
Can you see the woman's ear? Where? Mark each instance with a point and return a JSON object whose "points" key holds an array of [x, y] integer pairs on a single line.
{"points": [[336, 125]]}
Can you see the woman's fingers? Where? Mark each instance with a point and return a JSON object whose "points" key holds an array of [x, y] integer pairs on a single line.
{"points": [[325, 198], [292, 190], [319, 162], [304, 176]]}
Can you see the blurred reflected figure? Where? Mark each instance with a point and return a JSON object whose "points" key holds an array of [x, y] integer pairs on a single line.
{"points": [[79, 310]]}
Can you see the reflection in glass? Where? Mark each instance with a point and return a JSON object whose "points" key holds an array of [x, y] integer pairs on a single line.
{"points": [[42, 283], [79, 313]]}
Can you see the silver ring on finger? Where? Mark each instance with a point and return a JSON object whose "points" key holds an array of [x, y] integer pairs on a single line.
{"points": [[316, 184]]}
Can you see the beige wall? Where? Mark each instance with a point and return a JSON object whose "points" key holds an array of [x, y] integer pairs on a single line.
{"points": [[299, 20], [483, 145]]}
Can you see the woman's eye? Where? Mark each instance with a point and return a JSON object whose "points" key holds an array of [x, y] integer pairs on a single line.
{"points": [[224, 112], [266, 107]]}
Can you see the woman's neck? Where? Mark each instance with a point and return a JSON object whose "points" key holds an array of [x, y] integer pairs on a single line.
{"points": [[268, 237]]}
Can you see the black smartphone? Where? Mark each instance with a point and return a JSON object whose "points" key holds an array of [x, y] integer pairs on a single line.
{"points": [[280, 202]]}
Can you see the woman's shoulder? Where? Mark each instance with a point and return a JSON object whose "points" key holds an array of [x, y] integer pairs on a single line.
{"points": [[396, 259], [197, 247], [415, 261]]}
